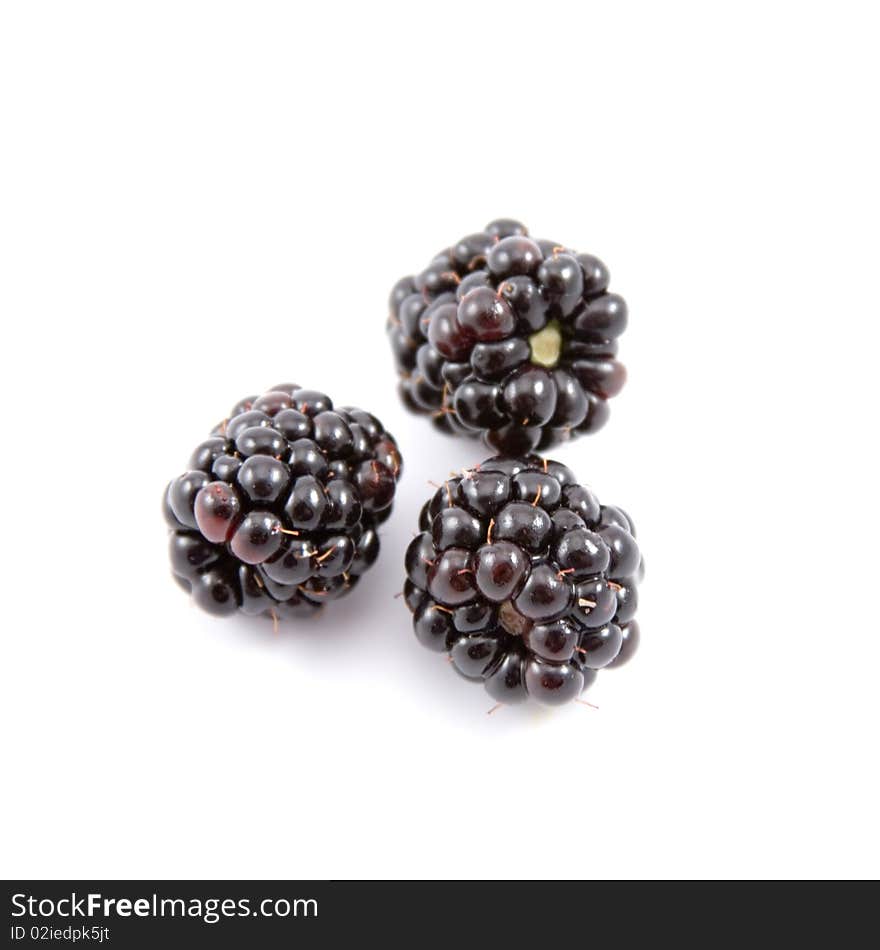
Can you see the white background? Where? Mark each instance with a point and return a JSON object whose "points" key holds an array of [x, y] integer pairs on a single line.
{"points": [[199, 200]]}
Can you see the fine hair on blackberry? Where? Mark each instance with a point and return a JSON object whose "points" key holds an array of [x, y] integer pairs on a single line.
{"points": [[525, 581], [509, 337], [279, 510]]}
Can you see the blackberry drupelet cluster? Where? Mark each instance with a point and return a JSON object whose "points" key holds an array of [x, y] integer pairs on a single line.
{"points": [[509, 337], [279, 510], [525, 580]]}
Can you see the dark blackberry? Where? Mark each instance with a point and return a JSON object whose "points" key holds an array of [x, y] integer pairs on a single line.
{"points": [[510, 338], [524, 579], [279, 511]]}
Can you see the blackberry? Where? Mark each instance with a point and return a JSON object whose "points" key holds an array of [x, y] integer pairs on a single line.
{"points": [[508, 337], [280, 509], [524, 579]]}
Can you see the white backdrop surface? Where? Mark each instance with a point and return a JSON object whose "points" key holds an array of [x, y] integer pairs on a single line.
{"points": [[199, 200]]}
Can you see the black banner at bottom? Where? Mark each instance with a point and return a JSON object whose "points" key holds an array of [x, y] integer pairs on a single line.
{"points": [[268, 914]]}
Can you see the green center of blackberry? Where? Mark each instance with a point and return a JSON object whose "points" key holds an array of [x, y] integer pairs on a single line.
{"points": [[546, 345]]}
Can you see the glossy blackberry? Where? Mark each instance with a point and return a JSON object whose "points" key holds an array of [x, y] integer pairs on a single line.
{"points": [[508, 337], [524, 580], [279, 510]]}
